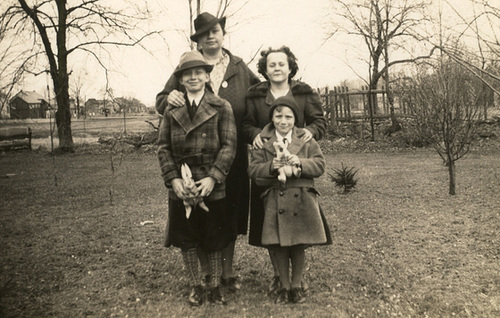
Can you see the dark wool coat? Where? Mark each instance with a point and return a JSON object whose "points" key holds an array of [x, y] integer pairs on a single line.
{"points": [[260, 98], [207, 143], [292, 213], [237, 80]]}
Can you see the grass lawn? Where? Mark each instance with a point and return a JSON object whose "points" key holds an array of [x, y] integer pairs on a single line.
{"points": [[402, 245]]}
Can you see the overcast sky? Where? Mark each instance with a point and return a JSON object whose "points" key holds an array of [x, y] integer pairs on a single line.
{"points": [[301, 25]]}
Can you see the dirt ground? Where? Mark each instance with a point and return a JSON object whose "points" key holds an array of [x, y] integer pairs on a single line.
{"points": [[74, 241]]}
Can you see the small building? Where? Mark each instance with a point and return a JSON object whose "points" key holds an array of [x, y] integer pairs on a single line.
{"points": [[28, 105]]}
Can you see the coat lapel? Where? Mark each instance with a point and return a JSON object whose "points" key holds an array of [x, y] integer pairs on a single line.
{"points": [[294, 147], [181, 115], [204, 112]]}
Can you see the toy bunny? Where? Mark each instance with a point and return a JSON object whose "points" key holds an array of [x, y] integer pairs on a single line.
{"points": [[189, 186], [287, 170]]}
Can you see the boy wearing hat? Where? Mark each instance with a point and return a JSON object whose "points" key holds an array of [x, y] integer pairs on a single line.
{"points": [[292, 217], [201, 134], [230, 80]]}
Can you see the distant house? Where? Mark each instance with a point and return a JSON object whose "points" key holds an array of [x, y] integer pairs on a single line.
{"points": [[95, 107], [72, 106], [28, 105]]}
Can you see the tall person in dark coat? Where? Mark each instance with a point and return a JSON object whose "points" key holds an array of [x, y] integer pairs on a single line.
{"points": [[201, 135], [230, 80], [278, 66]]}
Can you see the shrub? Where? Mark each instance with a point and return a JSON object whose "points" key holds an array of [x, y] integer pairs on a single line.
{"points": [[344, 178]]}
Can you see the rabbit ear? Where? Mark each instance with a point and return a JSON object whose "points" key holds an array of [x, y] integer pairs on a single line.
{"points": [[187, 172], [183, 171]]}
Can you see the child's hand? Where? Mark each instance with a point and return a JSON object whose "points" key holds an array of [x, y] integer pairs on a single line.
{"points": [[206, 185], [277, 163], [176, 98], [178, 188], [293, 160]]}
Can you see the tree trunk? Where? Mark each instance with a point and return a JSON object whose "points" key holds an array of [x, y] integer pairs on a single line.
{"points": [[63, 121], [61, 83], [451, 170]]}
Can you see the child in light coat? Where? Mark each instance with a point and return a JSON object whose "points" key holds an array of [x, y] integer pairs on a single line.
{"points": [[293, 219]]}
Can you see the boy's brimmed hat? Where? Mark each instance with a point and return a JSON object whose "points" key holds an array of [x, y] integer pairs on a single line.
{"points": [[204, 23], [285, 101], [190, 60]]}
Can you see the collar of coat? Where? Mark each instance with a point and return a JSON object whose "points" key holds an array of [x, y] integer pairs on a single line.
{"points": [[269, 132], [232, 68], [206, 110], [262, 89]]}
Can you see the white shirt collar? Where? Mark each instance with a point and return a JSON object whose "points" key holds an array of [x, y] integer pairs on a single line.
{"points": [[197, 97], [288, 136]]}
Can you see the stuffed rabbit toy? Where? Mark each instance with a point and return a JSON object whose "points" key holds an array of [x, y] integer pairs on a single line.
{"points": [[190, 186], [286, 170]]}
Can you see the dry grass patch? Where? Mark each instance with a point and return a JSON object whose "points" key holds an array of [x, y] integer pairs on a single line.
{"points": [[402, 245]]}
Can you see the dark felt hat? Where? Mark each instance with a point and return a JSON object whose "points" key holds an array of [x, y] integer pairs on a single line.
{"points": [[189, 60], [285, 101], [204, 22]]}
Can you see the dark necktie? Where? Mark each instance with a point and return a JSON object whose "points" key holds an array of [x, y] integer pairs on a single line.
{"points": [[192, 109]]}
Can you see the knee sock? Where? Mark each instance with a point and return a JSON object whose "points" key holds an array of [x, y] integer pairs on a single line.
{"points": [[191, 264], [215, 263]]}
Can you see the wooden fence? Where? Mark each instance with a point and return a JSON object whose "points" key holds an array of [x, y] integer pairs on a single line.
{"points": [[344, 105]]}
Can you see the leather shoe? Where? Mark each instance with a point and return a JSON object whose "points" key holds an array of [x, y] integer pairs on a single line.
{"points": [[231, 283], [283, 297], [216, 296], [196, 296], [297, 295], [275, 285]]}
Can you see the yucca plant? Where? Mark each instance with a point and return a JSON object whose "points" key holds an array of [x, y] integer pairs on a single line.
{"points": [[344, 178]]}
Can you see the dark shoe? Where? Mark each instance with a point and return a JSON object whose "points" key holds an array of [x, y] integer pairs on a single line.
{"points": [[216, 296], [275, 285], [297, 295], [205, 281], [231, 283], [283, 297], [196, 296]]}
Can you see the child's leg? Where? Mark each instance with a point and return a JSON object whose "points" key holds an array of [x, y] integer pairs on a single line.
{"points": [[298, 256], [215, 262], [272, 256], [283, 262], [191, 264]]}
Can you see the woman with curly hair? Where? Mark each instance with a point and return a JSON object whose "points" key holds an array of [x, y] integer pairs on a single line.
{"points": [[278, 66]]}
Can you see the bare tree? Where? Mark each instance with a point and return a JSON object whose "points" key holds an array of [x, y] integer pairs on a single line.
{"points": [[481, 32], [385, 27], [58, 29], [447, 110]]}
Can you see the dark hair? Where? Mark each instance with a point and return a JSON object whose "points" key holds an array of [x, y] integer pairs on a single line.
{"points": [[292, 61], [222, 27]]}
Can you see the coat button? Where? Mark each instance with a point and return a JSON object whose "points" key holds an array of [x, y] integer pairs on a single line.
{"points": [[204, 135], [282, 193], [281, 211]]}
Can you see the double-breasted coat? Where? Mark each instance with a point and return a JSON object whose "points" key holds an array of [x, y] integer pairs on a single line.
{"points": [[207, 143], [310, 116], [237, 80], [292, 212]]}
